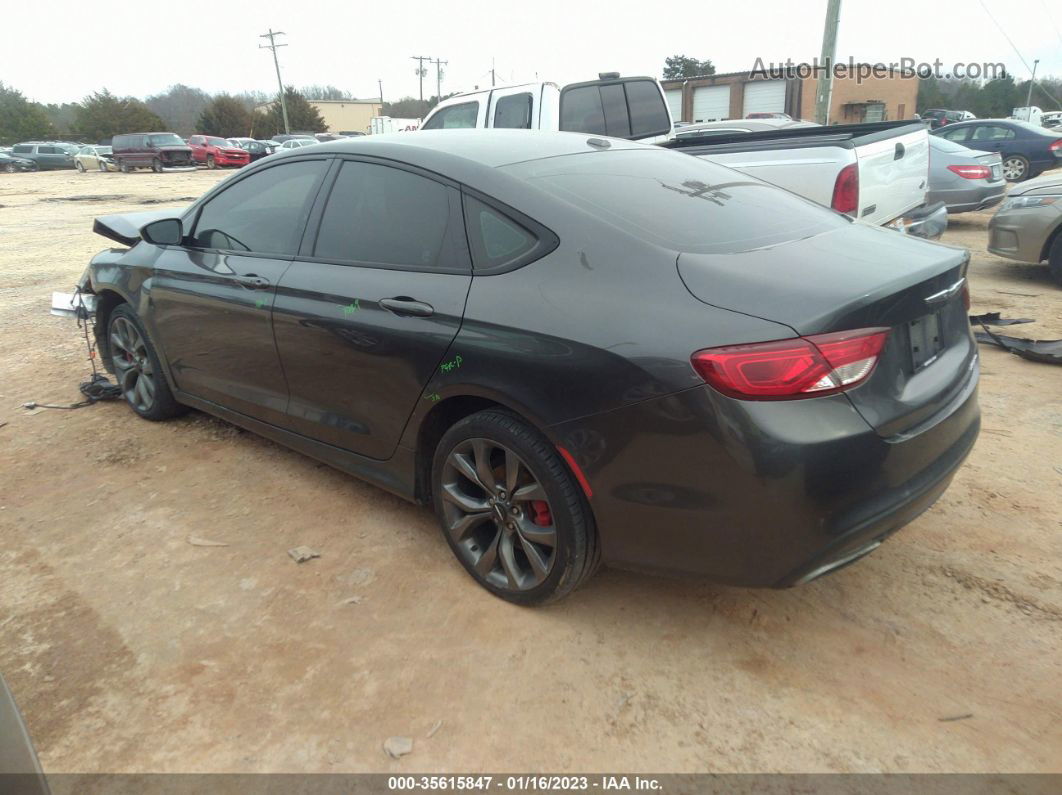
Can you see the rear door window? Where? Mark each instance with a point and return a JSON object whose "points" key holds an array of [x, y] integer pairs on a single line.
{"points": [[628, 109], [513, 112], [455, 117], [264, 213], [388, 216], [22, 149], [958, 134]]}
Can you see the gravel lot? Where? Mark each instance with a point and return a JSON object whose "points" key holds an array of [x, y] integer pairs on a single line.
{"points": [[131, 649]]}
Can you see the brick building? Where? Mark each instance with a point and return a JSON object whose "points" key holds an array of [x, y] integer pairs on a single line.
{"points": [[734, 95]]}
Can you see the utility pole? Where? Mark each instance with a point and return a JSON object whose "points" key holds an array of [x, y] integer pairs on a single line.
{"points": [[380, 84], [829, 52], [280, 83], [1028, 98], [492, 72], [421, 71], [438, 78]]}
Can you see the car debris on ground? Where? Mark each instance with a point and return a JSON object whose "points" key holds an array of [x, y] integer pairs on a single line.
{"points": [[303, 554], [397, 747]]}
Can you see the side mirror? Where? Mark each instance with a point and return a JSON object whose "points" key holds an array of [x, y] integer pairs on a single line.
{"points": [[167, 232]]}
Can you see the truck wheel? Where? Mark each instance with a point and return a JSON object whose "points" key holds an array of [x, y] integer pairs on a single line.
{"points": [[156, 165], [1054, 259], [210, 162], [1015, 168]]}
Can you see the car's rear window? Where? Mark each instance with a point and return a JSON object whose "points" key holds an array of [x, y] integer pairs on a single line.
{"points": [[679, 201], [944, 145]]}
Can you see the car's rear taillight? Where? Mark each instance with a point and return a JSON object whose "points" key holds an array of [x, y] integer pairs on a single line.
{"points": [[971, 172], [795, 368], [1056, 146], [846, 190]]}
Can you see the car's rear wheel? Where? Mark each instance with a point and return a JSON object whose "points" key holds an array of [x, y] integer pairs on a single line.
{"points": [[211, 162], [79, 166], [156, 165], [137, 368], [102, 165], [1015, 168], [510, 510], [1054, 259], [125, 167], [10, 168]]}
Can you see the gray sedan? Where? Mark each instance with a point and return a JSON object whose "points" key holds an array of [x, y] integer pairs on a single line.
{"points": [[964, 179]]}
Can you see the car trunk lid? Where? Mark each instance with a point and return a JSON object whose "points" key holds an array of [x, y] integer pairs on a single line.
{"points": [[853, 278]]}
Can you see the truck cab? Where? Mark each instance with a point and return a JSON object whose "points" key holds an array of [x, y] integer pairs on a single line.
{"points": [[620, 107]]}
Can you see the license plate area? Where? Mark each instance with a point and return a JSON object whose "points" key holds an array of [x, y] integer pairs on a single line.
{"points": [[925, 338]]}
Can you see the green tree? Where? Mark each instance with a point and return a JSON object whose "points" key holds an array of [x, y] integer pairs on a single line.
{"points": [[677, 66], [225, 116], [102, 115], [62, 117], [302, 116], [20, 119]]}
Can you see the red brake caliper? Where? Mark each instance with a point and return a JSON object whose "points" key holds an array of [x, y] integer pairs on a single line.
{"points": [[542, 515]]}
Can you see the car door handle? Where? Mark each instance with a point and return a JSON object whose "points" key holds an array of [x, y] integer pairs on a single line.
{"points": [[404, 305], [252, 280]]}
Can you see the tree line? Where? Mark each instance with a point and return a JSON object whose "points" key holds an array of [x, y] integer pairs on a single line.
{"points": [[181, 109], [990, 99]]}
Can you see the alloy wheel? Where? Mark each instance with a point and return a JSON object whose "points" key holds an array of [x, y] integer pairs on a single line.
{"points": [[1013, 168], [132, 364], [498, 515]]}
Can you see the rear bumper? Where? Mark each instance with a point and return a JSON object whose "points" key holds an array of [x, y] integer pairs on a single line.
{"points": [[768, 494], [970, 199]]}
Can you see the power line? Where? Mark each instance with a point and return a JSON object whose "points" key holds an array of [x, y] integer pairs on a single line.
{"points": [[271, 35], [1018, 53]]}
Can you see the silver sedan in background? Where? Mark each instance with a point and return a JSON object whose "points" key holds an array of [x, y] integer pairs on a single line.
{"points": [[964, 179]]}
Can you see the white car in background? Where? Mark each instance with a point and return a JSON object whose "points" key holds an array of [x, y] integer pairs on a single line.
{"points": [[94, 158], [298, 143]]}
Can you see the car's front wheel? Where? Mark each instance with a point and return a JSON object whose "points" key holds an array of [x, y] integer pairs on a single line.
{"points": [[137, 368], [156, 165], [211, 163], [79, 166], [511, 511], [1054, 259], [1015, 168], [10, 168]]}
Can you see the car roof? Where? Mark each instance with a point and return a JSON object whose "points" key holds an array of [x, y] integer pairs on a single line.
{"points": [[491, 148]]}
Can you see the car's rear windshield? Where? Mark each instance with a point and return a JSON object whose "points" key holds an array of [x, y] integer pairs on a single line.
{"points": [[944, 145], [164, 139], [679, 201]]}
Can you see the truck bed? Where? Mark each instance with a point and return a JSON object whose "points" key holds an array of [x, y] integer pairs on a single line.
{"points": [[847, 136]]}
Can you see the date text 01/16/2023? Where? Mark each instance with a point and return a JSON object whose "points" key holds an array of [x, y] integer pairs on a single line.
{"points": [[528, 783]]}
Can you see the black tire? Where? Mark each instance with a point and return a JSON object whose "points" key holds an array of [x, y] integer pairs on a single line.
{"points": [[79, 166], [499, 559], [211, 163], [1054, 259], [125, 167], [1017, 167], [137, 368], [156, 165], [10, 168]]}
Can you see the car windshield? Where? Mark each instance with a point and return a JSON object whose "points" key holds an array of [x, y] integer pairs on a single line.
{"points": [[164, 139], [217, 142], [680, 202]]}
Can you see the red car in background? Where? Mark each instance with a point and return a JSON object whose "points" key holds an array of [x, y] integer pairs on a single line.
{"points": [[217, 152]]}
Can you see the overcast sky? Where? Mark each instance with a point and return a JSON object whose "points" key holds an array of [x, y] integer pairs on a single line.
{"points": [[138, 47]]}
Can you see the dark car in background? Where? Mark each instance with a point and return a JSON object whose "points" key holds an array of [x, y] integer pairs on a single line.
{"points": [[158, 151], [46, 154], [256, 150], [11, 163], [938, 117], [1027, 150], [964, 179], [577, 349]]}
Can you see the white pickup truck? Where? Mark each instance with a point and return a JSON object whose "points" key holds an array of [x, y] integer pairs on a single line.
{"points": [[877, 173]]}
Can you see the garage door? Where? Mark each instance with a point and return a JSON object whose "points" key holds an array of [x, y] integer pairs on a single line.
{"points": [[674, 103], [764, 96], [711, 103]]}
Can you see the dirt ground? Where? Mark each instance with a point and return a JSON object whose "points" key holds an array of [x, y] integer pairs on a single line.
{"points": [[131, 649]]}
